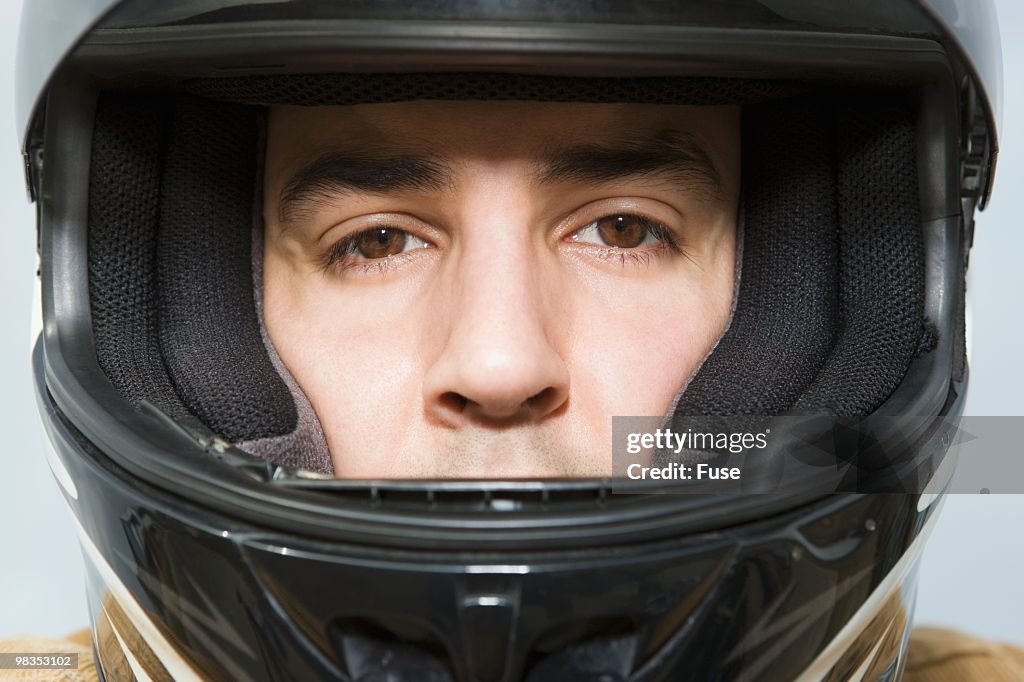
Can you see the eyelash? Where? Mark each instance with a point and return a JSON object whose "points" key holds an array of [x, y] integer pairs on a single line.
{"points": [[665, 236]]}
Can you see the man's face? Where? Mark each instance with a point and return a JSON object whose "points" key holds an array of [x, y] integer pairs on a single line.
{"points": [[474, 289]]}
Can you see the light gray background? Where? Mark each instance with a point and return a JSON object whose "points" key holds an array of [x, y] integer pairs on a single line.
{"points": [[971, 574]]}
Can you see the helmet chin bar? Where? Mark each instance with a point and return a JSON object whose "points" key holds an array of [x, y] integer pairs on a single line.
{"points": [[248, 570], [191, 592]]}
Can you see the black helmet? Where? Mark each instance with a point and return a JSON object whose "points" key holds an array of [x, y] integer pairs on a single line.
{"points": [[218, 547]]}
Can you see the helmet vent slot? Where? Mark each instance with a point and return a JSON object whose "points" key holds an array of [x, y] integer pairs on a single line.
{"points": [[376, 652]]}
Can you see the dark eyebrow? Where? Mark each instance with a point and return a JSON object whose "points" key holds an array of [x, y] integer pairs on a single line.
{"points": [[669, 152], [354, 171]]}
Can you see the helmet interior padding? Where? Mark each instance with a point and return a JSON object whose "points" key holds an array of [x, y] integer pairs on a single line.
{"points": [[829, 308]]}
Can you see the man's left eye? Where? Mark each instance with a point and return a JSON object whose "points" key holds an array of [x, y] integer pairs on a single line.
{"points": [[621, 232]]}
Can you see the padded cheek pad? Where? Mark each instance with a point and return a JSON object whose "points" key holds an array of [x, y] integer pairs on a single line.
{"points": [[175, 275], [830, 310]]}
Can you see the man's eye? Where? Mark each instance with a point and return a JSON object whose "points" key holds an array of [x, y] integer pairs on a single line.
{"points": [[376, 245], [622, 232]]}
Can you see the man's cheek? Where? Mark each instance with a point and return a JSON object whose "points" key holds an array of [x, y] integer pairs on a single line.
{"points": [[637, 363], [360, 376], [369, 401]]}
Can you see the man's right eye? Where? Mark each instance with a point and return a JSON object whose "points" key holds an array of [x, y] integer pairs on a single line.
{"points": [[375, 244]]}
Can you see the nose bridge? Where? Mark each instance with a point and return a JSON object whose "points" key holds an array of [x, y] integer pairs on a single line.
{"points": [[498, 360], [502, 333], [499, 284]]}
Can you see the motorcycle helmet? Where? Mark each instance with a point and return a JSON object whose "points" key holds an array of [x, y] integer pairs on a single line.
{"points": [[217, 543]]}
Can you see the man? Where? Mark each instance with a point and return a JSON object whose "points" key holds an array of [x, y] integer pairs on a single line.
{"points": [[294, 250]]}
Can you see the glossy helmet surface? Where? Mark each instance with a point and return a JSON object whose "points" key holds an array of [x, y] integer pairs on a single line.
{"points": [[871, 127]]}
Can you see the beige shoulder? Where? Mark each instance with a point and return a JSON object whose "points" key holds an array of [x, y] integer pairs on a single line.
{"points": [[76, 643], [938, 655]]}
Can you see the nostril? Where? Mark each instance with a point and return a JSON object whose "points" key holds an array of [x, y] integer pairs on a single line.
{"points": [[454, 401], [541, 402]]}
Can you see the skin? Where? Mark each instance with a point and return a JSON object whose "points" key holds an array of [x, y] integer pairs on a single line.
{"points": [[505, 334]]}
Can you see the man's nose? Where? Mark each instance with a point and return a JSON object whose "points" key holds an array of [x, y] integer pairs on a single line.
{"points": [[499, 364]]}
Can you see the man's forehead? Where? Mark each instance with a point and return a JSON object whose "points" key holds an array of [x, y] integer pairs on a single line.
{"points": [[425, 147]]}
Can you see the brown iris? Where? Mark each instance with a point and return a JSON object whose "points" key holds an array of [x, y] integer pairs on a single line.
{"points": [[381, 242], [623, 231]]}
